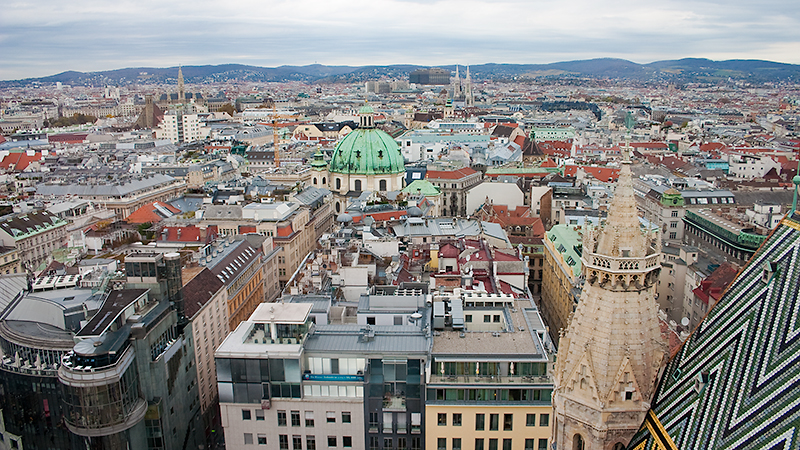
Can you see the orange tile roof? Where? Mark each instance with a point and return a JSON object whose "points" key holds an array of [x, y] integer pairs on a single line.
{"points": [[17, 162], [450, 174], [149, 214]]}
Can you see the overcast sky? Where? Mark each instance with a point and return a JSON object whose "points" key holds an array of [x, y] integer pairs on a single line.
{"points": [[50, 36]]}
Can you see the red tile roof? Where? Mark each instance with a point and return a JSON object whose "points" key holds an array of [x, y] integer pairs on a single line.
{"points": [[189, 233], [68, 138], [450, 174], [149, 214], [17, 162], [285, 231], [600, 173], [449, 251]]}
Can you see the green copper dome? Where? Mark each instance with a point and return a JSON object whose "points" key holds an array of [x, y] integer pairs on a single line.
{"points": [[367, 151]]}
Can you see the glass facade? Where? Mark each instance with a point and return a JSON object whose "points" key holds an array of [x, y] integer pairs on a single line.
{"points": [[104, 405]]}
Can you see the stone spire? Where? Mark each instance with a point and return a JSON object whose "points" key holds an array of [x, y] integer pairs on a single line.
{"points": [[609, 358], [181, 90], [470, 99]]}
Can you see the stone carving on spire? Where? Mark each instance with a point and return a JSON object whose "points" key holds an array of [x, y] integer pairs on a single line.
{"points": [[616, 324]]}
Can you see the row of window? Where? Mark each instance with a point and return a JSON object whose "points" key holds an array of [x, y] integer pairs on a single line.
{"points": [[441, 444], [494, 421], [308, 417], [297, 441]]}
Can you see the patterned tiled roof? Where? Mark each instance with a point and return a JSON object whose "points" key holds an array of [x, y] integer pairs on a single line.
{"points": [[734, 384]]}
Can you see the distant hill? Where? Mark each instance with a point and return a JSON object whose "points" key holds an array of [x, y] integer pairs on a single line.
{"points": [[688, 69]]}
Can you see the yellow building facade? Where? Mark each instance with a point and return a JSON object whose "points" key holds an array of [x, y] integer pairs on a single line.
{"points": [[481, 427]]}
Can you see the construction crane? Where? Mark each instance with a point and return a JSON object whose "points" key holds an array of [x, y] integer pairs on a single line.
{"points": [[274, 124]]}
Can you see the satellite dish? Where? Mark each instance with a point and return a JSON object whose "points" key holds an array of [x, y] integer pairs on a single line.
{"points": [[416, 316], [685, 321]]}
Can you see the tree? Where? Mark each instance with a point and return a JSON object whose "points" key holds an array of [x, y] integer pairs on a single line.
{"points": [[227, 108]]}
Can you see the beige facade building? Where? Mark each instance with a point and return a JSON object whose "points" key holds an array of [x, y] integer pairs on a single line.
{"points": [[560, 277], [34, 236], [610, 356], [205, 306], [490, 384], [9, 260]]}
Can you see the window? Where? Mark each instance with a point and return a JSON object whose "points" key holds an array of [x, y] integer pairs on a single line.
{"points": [[338, 183], [456, 443], [283, 442], [331, 441], [398, 320], [529, 444], [245, 414], [496, 318], [281, 418], [542, 444], [297, 442], [347, 441], [442, 419], [401, 443], [373, 443], [494, 423], [346, 417], [480, 423], [673, 235], [478, 443], [416, 443], [493, 444], [371, 320], [311, 443], [330, 416], [259, 414], [673, 225], [248, 439], [310, 419], [295, 418], [441, 444], [468, 318], [508, 422], [506, 444], [456, 419], [487, 318], [382, 185], [358, 185], [530, 420], [544, 420], [262, 439], [674, 214]]}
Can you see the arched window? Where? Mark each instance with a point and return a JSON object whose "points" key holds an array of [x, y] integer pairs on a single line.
{"points": [[619, 446], [315, 180], [338, 183], [323, 181], [358, 185], [577, 442], [338, 208], [382, 185]]}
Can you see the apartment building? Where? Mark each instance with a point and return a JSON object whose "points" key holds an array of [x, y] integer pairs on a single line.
{"points": [[34, 236]]}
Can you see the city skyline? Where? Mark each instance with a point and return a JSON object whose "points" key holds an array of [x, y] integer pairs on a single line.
{"points": [[91, 36]]}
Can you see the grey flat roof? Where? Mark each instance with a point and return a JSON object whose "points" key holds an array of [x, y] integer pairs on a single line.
{"points": [[389, 339]]}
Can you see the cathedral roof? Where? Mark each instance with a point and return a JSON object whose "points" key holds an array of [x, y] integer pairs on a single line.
{"points": [[734, 383], [367, 151]]}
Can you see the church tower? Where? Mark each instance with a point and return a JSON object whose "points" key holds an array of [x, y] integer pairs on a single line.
{"points": [[457, 86], [470, 100], [611, 353], [181, 89]]}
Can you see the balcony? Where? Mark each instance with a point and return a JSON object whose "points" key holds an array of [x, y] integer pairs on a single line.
{"points": [[490, 379], [394, 402]]}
